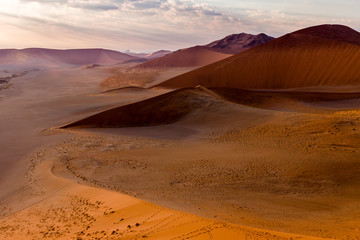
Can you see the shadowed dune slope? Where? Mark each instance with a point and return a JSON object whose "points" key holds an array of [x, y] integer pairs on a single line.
{"points": [[164, 109], [325, 55], [237, 43], [189, 57], [248, 97], [45, 57], [294, 101], [176, 105]]}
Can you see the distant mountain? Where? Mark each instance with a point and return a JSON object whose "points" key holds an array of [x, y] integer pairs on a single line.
{"points": [[203, 55], [40, 57], [188, 57], [237, 43], [325, 55]]}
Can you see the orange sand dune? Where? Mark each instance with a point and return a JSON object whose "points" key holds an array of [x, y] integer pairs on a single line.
{"points": [[326, 55], [189, 57], [46, 57]]}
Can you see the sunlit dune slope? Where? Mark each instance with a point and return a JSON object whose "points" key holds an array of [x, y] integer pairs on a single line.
{"points": [[189, 57], [326, 55]]}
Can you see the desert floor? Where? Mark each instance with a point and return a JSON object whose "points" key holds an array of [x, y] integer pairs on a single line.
{"points": [[279, 168]]}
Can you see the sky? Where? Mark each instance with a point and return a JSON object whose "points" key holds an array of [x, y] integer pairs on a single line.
{"points": [[150, 25]]}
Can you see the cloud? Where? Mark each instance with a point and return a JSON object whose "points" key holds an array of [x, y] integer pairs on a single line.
{"points": [[143, 24], [83, 4], [94, 4], [45, 1], [141, 5], [189, 7]]}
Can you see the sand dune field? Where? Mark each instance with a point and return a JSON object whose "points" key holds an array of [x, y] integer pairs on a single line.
{"points": [[261, 145], [57, 200]]}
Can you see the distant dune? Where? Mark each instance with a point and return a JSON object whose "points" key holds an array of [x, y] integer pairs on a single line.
{"points": [[157, 54], [325, 55], [188, 57], [51, 57], [237, 43], [149, 56]]}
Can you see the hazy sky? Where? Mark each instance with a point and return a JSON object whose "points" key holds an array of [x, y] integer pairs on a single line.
{"points": [[147, 25]]}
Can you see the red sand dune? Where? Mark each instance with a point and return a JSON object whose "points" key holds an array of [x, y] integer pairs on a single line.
{"points": [[189, 57], [237, 43], [325, 55], [76, 57]]}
